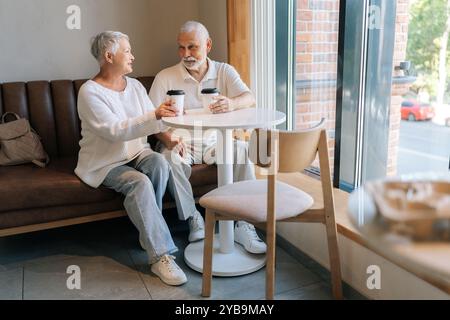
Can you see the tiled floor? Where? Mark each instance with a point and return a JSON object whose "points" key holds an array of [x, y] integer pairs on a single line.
{"points": [[113, 266]]}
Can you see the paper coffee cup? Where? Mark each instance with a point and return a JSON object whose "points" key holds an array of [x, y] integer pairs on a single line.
{"points": [[177, 99], [208, 95]]}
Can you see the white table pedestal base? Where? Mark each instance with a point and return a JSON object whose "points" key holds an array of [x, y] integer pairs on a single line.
{"points": [[236, 263], [228, 259]]}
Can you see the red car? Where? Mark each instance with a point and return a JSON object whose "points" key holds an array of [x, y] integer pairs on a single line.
{"points": [[414, 110]]}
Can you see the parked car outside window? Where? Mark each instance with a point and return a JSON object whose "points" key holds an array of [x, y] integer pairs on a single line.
{"points": [[414, 110]]}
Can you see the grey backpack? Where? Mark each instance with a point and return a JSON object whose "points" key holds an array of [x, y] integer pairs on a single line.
{"points": [[19, 143]]}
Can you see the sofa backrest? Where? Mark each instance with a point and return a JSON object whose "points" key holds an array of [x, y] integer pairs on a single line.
{"points": [[51, 108]]}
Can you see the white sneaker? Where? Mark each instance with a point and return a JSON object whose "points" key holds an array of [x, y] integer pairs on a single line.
{"points": [[245, 234], [196, 227], [168, 271]]}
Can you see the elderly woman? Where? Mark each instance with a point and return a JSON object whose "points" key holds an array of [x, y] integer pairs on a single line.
{"points": [[116, 118]]}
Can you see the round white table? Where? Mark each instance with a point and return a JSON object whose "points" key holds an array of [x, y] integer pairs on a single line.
{"points": [[228, 260]]}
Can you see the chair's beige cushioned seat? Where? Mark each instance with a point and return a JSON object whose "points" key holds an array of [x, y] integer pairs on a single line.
{"points": [[248, 199]]}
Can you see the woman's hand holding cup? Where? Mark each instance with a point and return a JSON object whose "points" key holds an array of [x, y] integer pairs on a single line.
{"points": [[165, 110]]}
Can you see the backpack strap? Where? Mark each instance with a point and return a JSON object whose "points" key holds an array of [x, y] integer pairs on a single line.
{"points": [[40, 163], [9, 113]]}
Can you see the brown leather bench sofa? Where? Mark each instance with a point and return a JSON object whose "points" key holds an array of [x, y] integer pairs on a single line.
{"points": [[32, 198]]}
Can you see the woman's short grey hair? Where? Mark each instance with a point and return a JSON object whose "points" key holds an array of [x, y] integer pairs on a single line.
{"points": [[106, 41], [194, 26]]}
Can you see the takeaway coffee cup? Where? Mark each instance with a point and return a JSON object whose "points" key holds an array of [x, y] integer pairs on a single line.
{"points": [[177, 99], [208, 95]]}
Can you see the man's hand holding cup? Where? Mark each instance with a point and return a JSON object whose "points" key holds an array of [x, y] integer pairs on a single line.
{"points": [[221, 104]]}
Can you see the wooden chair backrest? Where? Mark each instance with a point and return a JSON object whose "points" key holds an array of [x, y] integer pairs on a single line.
{"points": [[296, 149]]}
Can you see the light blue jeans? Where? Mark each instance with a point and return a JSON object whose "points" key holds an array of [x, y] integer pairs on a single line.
{"points": [[143, 182], [243, 168]]}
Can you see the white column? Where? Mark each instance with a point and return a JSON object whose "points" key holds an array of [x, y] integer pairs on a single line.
{"points": [[263, 50]]}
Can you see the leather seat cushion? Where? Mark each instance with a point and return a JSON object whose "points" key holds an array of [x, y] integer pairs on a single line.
{"points": [[203, 175], [28, 186]]}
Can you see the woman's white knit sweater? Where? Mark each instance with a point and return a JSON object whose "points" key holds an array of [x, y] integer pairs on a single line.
{"points": [[114, 128]]}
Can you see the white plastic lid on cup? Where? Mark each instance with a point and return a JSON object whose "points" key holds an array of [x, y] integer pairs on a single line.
{"points": [[208, 95], [177, 99]]}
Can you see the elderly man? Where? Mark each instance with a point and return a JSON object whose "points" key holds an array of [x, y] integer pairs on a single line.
{"points": [[194, 73]]}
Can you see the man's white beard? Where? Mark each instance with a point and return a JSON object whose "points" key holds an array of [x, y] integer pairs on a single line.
{"points": [[195, 66]]}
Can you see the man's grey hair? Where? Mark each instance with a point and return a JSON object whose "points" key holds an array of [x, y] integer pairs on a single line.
{"points": [[194, 26], [106, 41]]}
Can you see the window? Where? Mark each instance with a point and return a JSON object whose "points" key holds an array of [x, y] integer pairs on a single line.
{"points": [[375, 70], [314, 67]]}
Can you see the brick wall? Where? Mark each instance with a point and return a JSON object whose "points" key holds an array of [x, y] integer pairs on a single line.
{"points": [[398, 90], [316, 66]]}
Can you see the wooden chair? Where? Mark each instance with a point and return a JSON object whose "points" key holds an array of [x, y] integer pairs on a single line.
{"points": [[268, 201]]}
